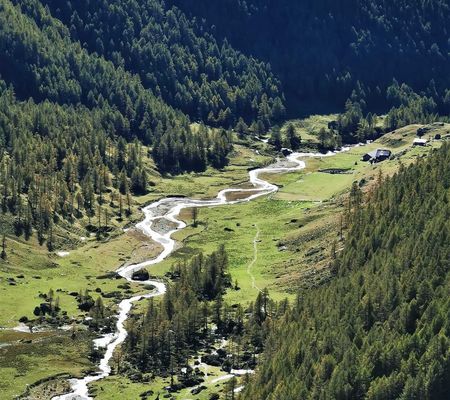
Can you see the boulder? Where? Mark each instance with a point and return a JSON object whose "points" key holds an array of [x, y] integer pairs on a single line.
{"points": [[141, 275]]}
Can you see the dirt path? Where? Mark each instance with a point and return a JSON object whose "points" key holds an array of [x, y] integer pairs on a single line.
{"points": [[169, 210], [255, 258]]}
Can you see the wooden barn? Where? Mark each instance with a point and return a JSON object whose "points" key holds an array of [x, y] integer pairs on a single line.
{"points": [[377, 155]]}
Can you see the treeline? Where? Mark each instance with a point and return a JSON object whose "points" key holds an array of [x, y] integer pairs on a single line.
{"points": [[41, 62], [169, 54], [64, 163], [404, 105], [192, 316], [321, 49], [380, 329], [186, 151]]}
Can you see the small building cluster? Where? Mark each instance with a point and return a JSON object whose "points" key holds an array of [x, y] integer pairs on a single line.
{"points": [[419, 142], [433, 135], [377, 155]]}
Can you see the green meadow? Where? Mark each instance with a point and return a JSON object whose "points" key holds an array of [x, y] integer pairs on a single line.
{"points": [[237, 226], [118, 387], [26, 358], [280, 241]]}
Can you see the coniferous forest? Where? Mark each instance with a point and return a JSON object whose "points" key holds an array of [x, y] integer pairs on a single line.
{"points": [[322, 50], [332, 285], [380, 329]]}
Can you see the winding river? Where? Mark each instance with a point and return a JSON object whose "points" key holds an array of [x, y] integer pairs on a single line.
{"points": [[169, 209]]}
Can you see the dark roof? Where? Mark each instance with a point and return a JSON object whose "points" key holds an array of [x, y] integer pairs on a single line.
{"points": [[379, 153], [383, 152]]}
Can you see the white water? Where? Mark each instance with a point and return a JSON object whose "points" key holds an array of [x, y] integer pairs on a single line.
{"points": [[169, 209]]}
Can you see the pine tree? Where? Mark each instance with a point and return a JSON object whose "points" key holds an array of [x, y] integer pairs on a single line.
{"points": [[3, 254], [195, 213], [293, 141], [275, 138]]}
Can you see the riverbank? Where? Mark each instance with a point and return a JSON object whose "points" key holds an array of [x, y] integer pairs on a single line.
{"points": [[292, 240]]}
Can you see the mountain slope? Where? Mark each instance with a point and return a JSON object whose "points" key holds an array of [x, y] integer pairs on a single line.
{"points": [[188, 68], [320, 49], [41, 62], [380, 329]]}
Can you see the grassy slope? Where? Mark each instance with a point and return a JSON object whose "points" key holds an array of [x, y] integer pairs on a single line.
{"points": [[313, 185], [237, 226], [42, 355], [297, 227], [23, 363], [79, 271], [295, 235]]}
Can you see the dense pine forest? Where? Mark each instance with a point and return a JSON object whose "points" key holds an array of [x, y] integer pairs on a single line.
{"points": [[380, 329], [59, 162], [135, 57], [191, 317], [333, 284], [188, 68], [322, 49]]}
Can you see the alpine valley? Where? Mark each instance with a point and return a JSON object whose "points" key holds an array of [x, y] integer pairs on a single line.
{"points": [[224, 199]]}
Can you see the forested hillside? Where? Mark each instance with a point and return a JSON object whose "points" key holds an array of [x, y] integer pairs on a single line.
{"points": [[380, 329], [320, 49], [95, 52], [189, 68], [40, 61], [60, 163]]}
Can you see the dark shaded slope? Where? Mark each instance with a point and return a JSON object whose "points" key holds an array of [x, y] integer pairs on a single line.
{"points": [[175, 58], [380, 329], [320, 49], [41, 62]]}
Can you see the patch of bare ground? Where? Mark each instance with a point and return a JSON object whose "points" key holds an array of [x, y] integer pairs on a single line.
{"points": [[163, 225], [244, 185], [233, 196], [312, 241], [186, 214], [147, 250]]}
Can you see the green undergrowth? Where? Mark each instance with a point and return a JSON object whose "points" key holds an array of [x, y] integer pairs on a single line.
{"points": [[297, 226], [26, 358], [119, 387]]}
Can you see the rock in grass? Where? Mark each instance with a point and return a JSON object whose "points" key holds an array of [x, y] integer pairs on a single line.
{"points": [[199, 389], [145, 394], [141, 275]]}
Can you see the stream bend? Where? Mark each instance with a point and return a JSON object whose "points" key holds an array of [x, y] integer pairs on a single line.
{"points": [[169, 209]]}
